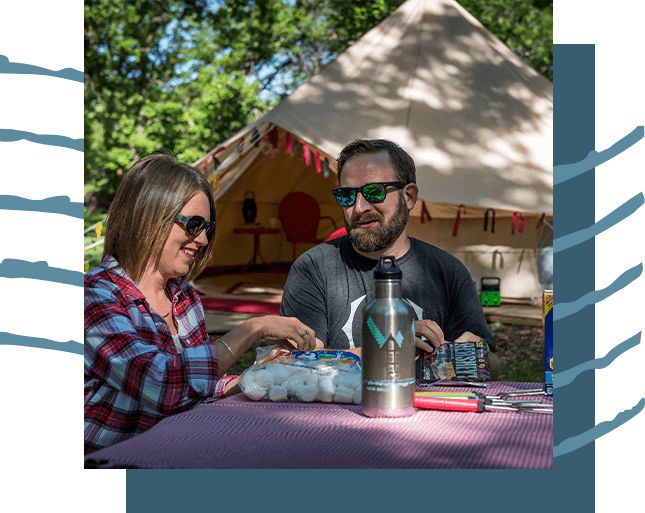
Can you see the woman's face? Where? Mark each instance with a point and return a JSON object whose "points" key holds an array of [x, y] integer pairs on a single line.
{"points": [[179, 251]]}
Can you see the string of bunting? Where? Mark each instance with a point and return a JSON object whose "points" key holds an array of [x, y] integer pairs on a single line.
{"points": [[241, 149], [268, 147], [291, 145]]}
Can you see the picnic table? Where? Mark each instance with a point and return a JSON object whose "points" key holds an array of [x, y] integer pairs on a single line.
{"points": [[236, 432]]}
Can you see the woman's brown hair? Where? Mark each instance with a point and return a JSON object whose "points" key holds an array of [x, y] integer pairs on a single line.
{"points": [[140, 218]]}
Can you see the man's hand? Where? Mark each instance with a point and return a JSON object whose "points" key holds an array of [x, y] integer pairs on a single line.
{"points": [[431, 331], [468, 337]]}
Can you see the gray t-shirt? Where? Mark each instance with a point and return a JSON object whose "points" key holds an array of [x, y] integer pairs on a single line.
{"points": [[329, 285]]}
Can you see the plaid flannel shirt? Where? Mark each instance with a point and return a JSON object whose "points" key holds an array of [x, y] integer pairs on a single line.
{"points": [[134, 374]]}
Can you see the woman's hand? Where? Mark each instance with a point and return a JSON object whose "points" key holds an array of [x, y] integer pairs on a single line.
{"points": [[287, 331]]}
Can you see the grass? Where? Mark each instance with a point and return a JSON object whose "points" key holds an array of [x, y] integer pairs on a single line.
{"points": [[532, 372], [521, 352]]}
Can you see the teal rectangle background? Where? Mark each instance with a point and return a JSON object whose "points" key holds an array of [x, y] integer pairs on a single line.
{"points": [[569, 486]]}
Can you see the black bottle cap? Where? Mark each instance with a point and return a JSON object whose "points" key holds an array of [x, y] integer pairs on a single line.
{"points": [[387, 269]]}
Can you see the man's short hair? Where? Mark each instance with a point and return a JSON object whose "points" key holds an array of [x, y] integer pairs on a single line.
{"points": [[404, 169]]}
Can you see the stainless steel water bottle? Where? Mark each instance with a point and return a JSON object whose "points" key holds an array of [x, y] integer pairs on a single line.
{"points": [[388, 348]]}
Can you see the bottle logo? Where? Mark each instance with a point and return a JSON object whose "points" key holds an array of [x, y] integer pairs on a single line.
{"points": [[378, 336]]}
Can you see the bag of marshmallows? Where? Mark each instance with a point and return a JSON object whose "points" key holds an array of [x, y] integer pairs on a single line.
{"points": [[306, 376]]}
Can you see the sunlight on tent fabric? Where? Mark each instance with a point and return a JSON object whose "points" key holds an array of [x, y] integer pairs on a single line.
{"points": [[523, 195], [458, 56], [505, 148], [519, 92], [455, 104], [440, 161], [393, 103], [492, 160]]}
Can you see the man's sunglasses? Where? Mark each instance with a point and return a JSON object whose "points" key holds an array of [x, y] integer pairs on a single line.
{"points": [[372, 192], [194, 225]]}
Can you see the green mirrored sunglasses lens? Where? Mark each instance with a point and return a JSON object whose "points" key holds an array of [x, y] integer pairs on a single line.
{"points": [[374, 192], [346, 197]]}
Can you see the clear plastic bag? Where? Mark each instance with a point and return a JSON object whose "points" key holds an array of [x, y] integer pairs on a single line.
{"points": [[306, 376]]}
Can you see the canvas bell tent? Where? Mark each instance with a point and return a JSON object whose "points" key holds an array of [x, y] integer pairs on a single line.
{"points": [[476, 119]]}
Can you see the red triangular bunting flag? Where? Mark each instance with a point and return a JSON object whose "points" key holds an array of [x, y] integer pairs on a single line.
{"points": [[306, 154], [317, 162], [206, 161], [273, 137], [289, 143]]}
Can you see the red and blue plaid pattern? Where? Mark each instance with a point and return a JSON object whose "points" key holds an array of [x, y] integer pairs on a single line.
{"points": [[134, 374]]}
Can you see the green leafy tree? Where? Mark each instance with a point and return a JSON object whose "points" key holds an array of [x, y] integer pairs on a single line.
{"points": [[525, 26]]}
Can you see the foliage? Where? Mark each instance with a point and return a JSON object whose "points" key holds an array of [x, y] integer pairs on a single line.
{"points": [[525, 26]]}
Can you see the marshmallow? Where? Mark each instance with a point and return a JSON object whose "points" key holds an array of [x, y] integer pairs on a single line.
{"points": [[338, 379], [312, 380], [344, 395], [264, 378], [352, 380], [278, 393], [307, 393], [248, 378], [255, 392], [326, 391], [293, 383], [279, 373]]}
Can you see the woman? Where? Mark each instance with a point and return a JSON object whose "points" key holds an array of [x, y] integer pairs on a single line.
{"points": [[147, 352]]}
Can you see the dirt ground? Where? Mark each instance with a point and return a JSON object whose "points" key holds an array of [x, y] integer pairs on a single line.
{"points": [[521, 351]]}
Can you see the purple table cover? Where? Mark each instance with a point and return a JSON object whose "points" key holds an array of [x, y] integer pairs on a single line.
{"points": [[236, 432]]}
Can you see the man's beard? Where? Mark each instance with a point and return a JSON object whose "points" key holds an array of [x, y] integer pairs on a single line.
{"points": [[380, 236]]}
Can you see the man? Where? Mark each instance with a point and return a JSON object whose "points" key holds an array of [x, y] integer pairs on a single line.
{"points": [[329, 285]]}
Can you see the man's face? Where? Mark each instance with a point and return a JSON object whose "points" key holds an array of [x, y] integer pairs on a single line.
{"points": [[373, 226]]}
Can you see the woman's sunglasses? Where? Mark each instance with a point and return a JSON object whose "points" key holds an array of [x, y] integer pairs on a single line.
{"points": [[372, 192], [194, 225]]}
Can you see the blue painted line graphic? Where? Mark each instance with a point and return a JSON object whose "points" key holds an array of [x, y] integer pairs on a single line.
{"points": [[7, 135], [562, 379], [565, 172], [56, 205], [562, 310], [10, 339], [17, 68], [13, 268], [575, 442], [376, 333], [612, 219]]}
